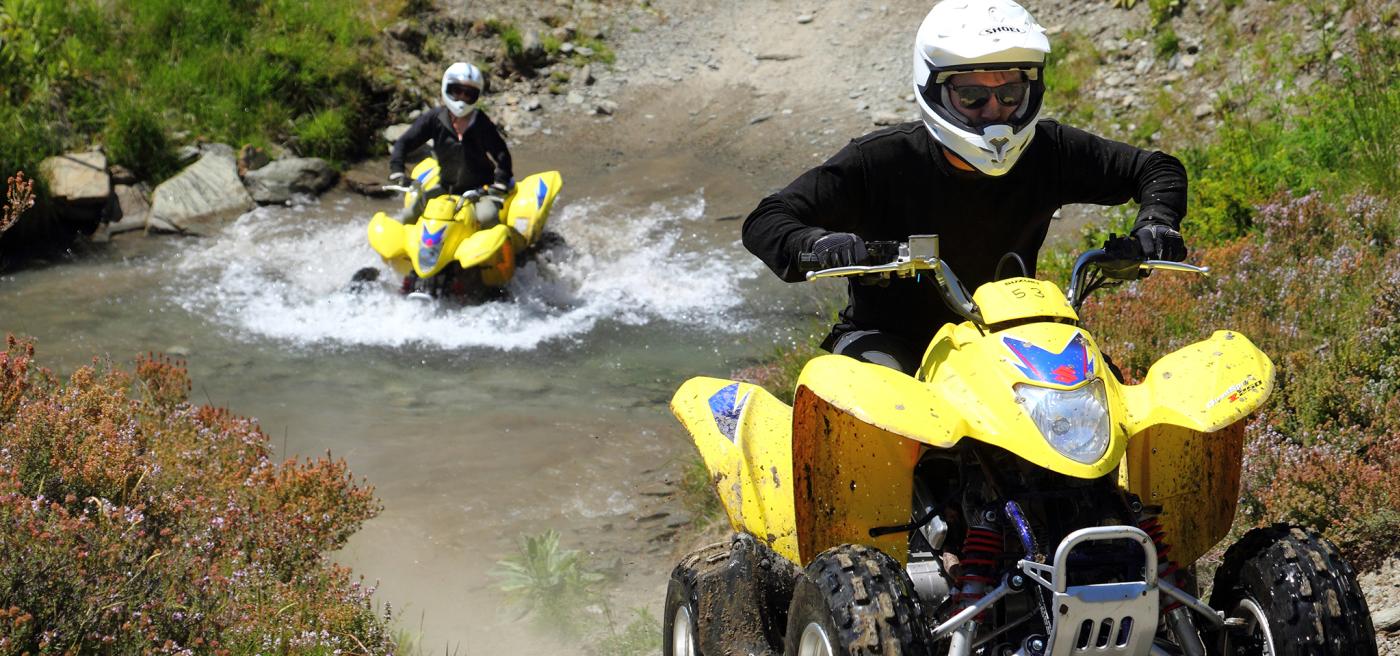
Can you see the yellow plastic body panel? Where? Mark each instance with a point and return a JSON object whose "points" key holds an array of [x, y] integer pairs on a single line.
{"points": [[969, 392], [1204, 386], [481, 247], [386, 236], [1193, 476], [453, 233], [527, 207], [1022, 298], [744, 435], [849, 477]]}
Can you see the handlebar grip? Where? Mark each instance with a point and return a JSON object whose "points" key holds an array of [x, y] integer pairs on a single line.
{"points": [[808, 262]]}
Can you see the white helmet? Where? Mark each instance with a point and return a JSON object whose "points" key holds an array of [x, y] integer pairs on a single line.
{"points": [[964, 36], [458, 75]]}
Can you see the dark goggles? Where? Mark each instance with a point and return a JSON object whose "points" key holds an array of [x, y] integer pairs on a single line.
{"points": [[972, 96], [463, 92]]}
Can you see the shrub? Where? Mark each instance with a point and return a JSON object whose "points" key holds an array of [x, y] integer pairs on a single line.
{"points": [[327, 134], [549, 583], [132, 520], [135, 138]]}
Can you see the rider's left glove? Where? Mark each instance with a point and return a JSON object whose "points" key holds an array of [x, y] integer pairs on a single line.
{"points": [[1160, 242]]}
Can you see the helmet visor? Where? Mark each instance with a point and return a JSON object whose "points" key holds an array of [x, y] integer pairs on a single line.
{"points": [[463, 92], [973, 96]]}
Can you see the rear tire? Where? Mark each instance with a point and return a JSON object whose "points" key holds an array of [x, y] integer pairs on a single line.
{"points": [[1296, 594], [855, 600]]}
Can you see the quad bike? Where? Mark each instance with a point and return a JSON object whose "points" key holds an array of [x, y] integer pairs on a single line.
{"points": [[462, 246], [1013, 497]]}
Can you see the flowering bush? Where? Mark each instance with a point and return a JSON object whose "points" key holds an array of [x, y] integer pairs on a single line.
{"points": [[1317, 287], [132, 521]]}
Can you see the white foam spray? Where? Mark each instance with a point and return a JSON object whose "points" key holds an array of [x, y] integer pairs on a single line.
{"points": [[282, 273]]}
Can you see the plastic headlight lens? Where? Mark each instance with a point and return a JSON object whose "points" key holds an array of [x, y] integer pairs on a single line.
{"points": [[1074, 422]]}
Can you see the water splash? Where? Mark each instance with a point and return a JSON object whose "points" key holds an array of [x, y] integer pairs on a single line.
{"points": [[281, 272]]}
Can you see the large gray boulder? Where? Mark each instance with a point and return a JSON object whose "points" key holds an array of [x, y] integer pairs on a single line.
{"points": [[278, 181], [134, 207], [78, 178], [203, 195]]}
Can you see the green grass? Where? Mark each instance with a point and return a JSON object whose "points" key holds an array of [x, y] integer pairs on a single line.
{"points": [[1072, 62]]}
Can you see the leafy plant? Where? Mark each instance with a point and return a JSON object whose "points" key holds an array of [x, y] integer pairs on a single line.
{"points": [[641, 636], [549, 583], [19, 196], [135, 138]]}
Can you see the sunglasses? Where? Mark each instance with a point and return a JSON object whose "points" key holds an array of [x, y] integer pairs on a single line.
{"points": [[463, 92], [973, 96]]}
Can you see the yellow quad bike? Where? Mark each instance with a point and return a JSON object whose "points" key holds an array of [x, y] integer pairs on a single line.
{"points": [[461, 246], [1013, 498]]}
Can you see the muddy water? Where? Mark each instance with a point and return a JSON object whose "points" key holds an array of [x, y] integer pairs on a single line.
{"points": [[475, 425]]}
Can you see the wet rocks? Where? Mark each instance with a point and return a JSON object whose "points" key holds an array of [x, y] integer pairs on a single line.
{"points": [[203, 193], [280, 180]]}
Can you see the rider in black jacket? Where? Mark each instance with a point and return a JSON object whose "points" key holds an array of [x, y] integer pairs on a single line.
{"points": [[468, 147], [980, 170]]}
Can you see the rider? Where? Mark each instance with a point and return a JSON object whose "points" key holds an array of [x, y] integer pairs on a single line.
{"points": [[469, 149], [981, 170]]}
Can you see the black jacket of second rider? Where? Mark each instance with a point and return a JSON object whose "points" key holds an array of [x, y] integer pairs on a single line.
{"points": [[479, 158], [895, 182]]}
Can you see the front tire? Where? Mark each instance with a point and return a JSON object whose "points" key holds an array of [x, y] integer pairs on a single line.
{"points": [[680, 630], [1295, 595], [855, 600]]}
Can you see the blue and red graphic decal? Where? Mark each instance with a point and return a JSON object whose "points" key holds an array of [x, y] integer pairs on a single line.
{"points": [[432, 239], [726, 405], [1073, 365]]}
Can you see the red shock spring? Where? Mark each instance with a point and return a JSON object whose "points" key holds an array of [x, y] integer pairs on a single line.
{"points": [[981, 550], [1166, 567]]}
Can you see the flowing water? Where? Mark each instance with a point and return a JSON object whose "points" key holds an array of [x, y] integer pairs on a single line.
{"points": [[475, 424]]}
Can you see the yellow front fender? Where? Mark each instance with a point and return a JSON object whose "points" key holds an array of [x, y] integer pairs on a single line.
{"points": [[483, 245], [529, 203], [1205, 386], [885, 398], [744, 435], [386, 236]]}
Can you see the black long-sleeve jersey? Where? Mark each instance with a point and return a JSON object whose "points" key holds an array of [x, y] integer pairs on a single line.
{"points": [[479, 158], [895, 182]]}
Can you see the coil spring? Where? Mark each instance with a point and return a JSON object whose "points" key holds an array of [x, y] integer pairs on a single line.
{"points": [[981, 550], [1166, 567]]}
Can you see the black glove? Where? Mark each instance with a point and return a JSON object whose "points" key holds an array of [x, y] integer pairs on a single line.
{"points": [[839, 249], [500, 189], [1159, 242], [396, 178]]}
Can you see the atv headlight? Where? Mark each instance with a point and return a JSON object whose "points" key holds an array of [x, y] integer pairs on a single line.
{"points": [[1074, 422]]}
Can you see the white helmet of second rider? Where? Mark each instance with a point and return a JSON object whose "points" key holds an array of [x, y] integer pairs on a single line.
{"points": [[461, 86], [964, 36]]}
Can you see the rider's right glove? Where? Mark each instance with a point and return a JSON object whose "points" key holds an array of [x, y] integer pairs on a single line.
{"points": [[397, 177], [839, 249], [1160, 242]]}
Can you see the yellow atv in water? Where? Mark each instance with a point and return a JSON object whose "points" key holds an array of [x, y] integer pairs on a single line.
{"points": [[460, 246], [1013, 498]]}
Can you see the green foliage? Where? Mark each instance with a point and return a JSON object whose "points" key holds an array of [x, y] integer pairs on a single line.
{"points": [[327, 134], [1166, 43], [1163, 10], [74, 71], [1071, 64], [130, 518], [509, 35], [641, 637], [136, 139], [697, 491], [549, 583], [602, 52]]}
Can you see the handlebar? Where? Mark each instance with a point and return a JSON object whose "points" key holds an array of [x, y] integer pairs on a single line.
{"points": [[1117, 260]]}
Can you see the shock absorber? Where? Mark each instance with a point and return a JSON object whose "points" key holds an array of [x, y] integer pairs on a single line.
{"points": [[1178, 616], [1166, 567], [982, 548]]}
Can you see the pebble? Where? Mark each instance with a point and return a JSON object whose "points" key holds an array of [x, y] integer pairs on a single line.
{"points": [[804, 19]]}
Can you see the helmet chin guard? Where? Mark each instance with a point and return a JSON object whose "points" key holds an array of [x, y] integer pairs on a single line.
{"points": [[970, 36]]}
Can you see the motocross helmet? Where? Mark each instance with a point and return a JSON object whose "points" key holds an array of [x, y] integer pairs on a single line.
{"points": [[461, 87], [966, 36]]}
